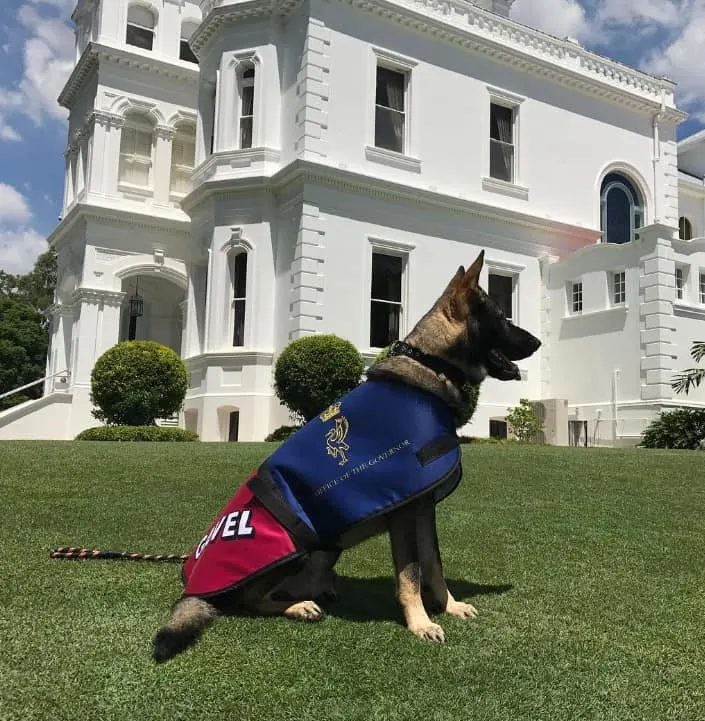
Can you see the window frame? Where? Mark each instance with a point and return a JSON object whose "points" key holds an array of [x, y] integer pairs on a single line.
{"points": [[618, 288], [701, 287], [681, 291], [137, 122], [620, 180], [181, 136], [243, 83], [576, 303], [513, 102], [685, 228], [140, 27], [400, 250], [514, 278], [235, 299]]}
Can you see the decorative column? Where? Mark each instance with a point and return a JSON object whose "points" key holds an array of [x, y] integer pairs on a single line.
{"points": [[106, 152], [59, 356], [657, 294], [164, 135], [97, 329]]}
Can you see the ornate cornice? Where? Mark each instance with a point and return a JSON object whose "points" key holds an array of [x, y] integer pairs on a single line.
{"points": [[143, 61], [107, 119], [58, 309], [464, 24], [165, 132], [98, 295]]}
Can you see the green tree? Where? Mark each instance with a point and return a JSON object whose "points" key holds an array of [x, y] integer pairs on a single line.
{"points": [[35, 288], [23, 350], [523, 422], [693, 377], [137, 381], [312, 372]]}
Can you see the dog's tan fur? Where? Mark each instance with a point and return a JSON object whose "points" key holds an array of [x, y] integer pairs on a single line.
{"points": [[443, 332]]}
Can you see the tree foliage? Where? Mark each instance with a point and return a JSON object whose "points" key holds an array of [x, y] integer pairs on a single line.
{"points": [[135, 382], [524, 424], [312, 372], [23, 328], [693, 377]]}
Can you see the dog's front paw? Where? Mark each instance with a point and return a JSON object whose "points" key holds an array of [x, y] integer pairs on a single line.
{"points": [[305, 611], [461, 610], [429, 632]]}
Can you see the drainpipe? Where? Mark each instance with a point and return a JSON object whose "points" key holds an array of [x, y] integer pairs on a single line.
{"points": [[658, 117], [615, 393]]}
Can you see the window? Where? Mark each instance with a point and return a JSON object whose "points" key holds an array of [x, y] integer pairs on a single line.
{"points": [[501, 289], [136, 151], [498, 429], [702, 287], [622, 209], [685, 229], [502, 142], [390, 117], [247, 106], [185, 52], [619, 288], [140, 27], [576, 297], [386, 299], [239, 281], [680, 283], [183, 159]]}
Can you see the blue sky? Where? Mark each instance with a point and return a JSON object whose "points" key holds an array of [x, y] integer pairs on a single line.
{"points": [[666, 37]]}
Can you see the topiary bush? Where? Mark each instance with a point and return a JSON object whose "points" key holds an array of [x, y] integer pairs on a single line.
{"points": [[682, 428], [281, 434], [136, 433], [463, 414], [314, 371], [137, 381]]}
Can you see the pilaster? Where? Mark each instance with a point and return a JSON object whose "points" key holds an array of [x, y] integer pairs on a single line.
{"points": [[307, 274], [164, 136], [656, 320], [545, 323], [312, 90]]}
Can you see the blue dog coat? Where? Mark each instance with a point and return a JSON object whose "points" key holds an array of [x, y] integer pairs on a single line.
{"points": [[380, 446]]}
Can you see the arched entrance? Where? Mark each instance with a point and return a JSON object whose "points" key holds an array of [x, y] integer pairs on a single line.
{"points": [[152, 310]]}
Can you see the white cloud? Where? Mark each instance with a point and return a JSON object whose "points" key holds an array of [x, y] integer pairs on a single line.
{"points": [[558, 17], [19, 249], [20, 244], [48, 54], [13, 205]]}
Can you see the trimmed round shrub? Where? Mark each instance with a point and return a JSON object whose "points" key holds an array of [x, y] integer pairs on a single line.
{"points": [[463, 414], [137, 381], [312, 372], [136, 433], [281, 434], [682, 428]]}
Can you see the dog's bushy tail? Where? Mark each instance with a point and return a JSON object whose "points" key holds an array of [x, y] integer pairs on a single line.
{"points": [[188, 620]]}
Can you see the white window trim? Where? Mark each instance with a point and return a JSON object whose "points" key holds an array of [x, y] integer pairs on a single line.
{"points": [[684, 288], [228, 102], [507, 270], [515, 189], [235, 245], [406, 160], [701, 287], [611, 287], [175, 194], [126, 186], [570, 290], [401, 250]]}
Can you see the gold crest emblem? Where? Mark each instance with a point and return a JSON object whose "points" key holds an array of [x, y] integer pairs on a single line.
{"points": [[335, 440], [330, 412]]}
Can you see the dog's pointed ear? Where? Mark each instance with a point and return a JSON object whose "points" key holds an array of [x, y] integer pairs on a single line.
{"points": [[472, 277]]}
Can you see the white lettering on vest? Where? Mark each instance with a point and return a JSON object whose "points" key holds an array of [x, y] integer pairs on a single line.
{"points": [[234, 525]]}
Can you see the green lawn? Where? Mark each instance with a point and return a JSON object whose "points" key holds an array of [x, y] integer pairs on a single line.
{"points": [[587, 567]]}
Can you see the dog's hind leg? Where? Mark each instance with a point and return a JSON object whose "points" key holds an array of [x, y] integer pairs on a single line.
{"points": [[189, 618], [403, 537], [432, 576]]}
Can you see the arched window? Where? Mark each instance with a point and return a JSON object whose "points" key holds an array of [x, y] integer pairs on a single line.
{"points": [[185, 52], [140, 27], [622, 209], [685, 229], [238, 278], [136, 151], [183, 159], [246, 87]]}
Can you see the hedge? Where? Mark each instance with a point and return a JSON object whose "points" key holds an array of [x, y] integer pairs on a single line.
{"points": [[136, 433]]}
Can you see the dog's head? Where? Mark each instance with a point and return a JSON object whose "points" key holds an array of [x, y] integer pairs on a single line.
{"points": [[482, 340]]}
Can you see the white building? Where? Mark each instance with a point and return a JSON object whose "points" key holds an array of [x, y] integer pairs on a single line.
{"points": [[347, 157]]}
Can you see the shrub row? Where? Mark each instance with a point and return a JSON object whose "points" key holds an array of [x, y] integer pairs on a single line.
{"points": [[136, 433]]}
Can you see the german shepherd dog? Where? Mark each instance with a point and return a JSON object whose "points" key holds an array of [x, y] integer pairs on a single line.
{"points": [[464, 337]]}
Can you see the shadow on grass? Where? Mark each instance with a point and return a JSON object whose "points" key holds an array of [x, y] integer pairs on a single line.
{"points": [[373, 599]]}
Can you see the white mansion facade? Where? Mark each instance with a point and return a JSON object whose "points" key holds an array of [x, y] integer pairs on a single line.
{"points": [[240, 174]]}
